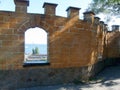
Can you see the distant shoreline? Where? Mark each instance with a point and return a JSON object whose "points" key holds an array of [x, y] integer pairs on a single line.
{"points": [[29, 47]]}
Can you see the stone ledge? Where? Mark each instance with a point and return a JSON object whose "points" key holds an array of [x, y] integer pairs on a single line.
{"points": [[35, 64]]}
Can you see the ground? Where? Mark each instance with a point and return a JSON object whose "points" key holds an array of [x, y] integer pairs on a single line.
{"points": [[110, 77]]}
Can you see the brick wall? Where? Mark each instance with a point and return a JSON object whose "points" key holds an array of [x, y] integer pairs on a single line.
{"points": [[112, 48], [74, 46]]}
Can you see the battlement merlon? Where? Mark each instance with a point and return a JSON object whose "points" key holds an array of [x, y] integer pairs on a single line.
{"points": [[50, 9], [21, 6], [102, 24], [89, 16], [96, 20], [73, 12], [115, 27]]}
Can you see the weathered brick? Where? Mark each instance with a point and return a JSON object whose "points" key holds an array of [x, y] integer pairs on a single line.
{"points": [[4, 25], [7, 43], [6, 31], [1, 19], [72, 43], [8, 37]]}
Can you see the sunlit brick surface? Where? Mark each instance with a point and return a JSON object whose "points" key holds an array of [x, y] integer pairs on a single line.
{"points": [[74, 46]]}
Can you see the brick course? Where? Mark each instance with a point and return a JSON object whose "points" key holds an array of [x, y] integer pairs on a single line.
{"points": [[74, 46]]}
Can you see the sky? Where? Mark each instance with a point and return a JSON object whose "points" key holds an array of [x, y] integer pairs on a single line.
{"points": [[35, 36], [35, 6]]}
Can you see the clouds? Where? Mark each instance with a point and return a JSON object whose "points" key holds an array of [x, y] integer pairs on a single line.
{"points": [[35, 36]]}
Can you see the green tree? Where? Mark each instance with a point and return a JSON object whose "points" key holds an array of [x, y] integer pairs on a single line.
{"points": [[111, 7], [35, 51]]}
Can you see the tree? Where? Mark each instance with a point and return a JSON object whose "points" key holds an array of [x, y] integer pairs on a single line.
{"points": [[111, 7], [35, 51]]}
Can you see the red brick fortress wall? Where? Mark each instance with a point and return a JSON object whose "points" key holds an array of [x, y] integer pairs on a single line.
{"points": [[74, 46]]}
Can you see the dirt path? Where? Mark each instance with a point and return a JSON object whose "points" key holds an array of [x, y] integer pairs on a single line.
{"points": [[111, 81]]}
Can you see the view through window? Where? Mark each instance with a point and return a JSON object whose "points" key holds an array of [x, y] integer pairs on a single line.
{"points": [[35, 46]]}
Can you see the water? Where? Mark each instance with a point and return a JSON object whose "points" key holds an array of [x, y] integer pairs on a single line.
{"points": [[42, 48]]}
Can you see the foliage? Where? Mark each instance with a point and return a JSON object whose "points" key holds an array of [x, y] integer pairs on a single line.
{"points": [[35, 50], [105, 6]]}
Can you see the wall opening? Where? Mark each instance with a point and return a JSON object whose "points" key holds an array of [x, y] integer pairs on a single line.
{"points": [[36, 46]]}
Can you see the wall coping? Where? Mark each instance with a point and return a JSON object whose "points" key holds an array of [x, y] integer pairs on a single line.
{"points": [[52, 4], [24, 1], [70, 7]]}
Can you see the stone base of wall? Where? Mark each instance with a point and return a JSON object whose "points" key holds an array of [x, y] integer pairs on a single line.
{"points": [[112, 61], [29, 77], [42, 76], [94, 70], [37, 76], [101, 65]]}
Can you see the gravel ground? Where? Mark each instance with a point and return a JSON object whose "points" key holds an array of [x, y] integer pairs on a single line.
{"points": [[110, 77]]}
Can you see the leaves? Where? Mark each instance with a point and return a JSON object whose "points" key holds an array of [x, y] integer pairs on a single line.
{"points": [[35, 51], [105, 6]]}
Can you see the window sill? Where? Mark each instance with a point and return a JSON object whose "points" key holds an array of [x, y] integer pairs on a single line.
{"points": [[26, 64]]}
